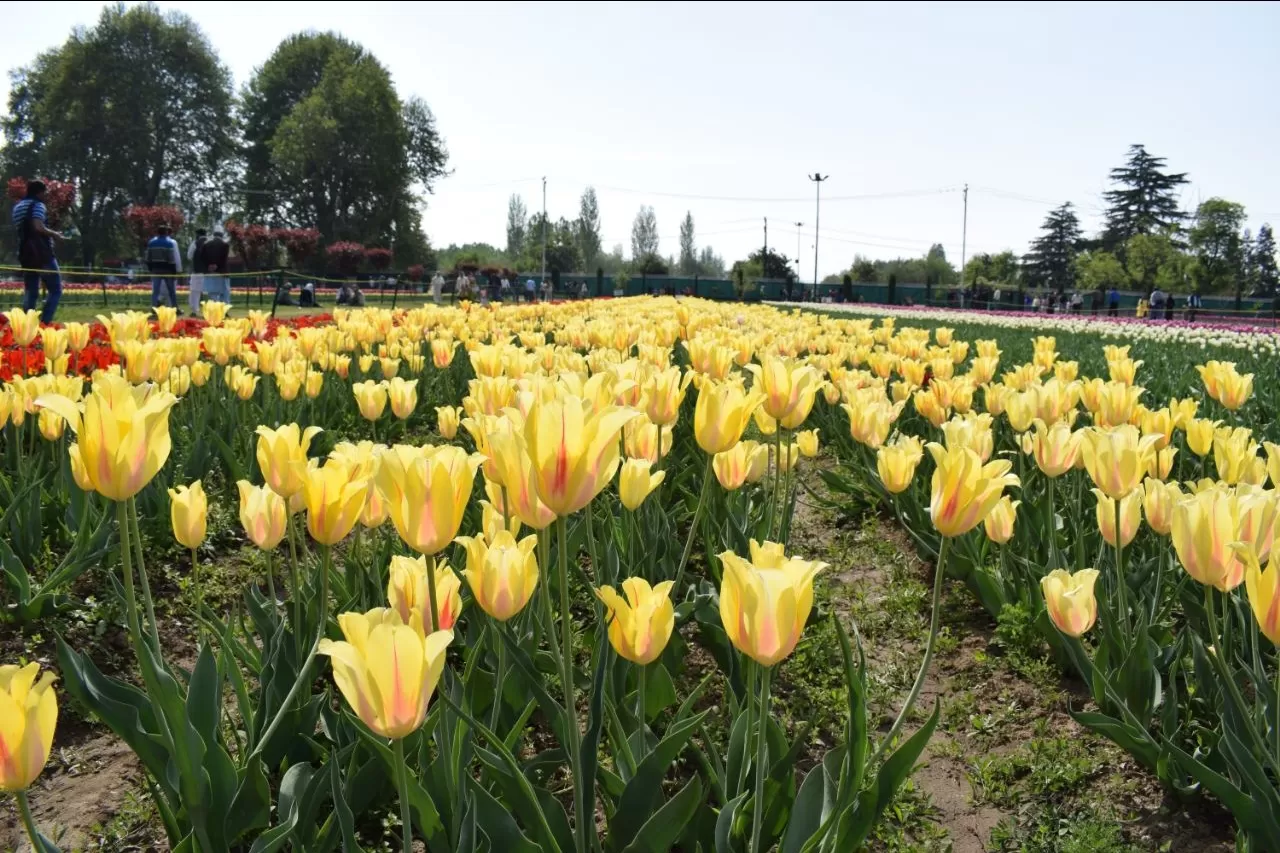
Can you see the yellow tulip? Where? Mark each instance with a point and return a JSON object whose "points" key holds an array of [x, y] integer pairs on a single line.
{"points": [[404, 397], [371, 398], [262, 515], [721, 415], [641, 623], [785, 457], [733, 467], [1070, 601], [786, 385], [808, 443], [314, 383], [1123, 370], [25, 325], [54, 343], [408, 595], [386, 670], [288, 385], [640, 439], [1117, 459], [999, 522], [1161, 463], [427, 490], [765, 601], [214, 312], [1117, 404], [1204, 526], [333, 499], [516, 486], [664, 393], [28, 718], [1200, 435], [123, 433], [365, 362], [502, 575], [1257, 524], [635, 483], [77, 336], [973, 432], [896, 463], [442, 352], [282, 457], [964, 490], [1056, 448], [1263, 587], [78, 471], [51, 424], [389, 367], [447, 420], [869, 423], [574, 454], [1021, 408], [1158, 501], [492, 521], [200, 372], [929, 407], [1233, 454], [189, 511], [1235, 389], [1130, 516]]}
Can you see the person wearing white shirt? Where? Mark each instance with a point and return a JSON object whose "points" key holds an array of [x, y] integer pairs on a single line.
{"points": [[437, 287], [195, 284]]}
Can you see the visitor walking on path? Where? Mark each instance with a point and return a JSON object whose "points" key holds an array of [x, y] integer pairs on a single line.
{"points": [[212, 262], [164, 262], [195, 285], [437, 287], [36, 253]]}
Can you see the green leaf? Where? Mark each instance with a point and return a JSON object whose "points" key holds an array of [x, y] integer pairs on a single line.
{"points": [[874, 800], [341, 809], [644, 791], [814, 802], [498, 825], [519, 796], [725, 824], [668, 823], [425, 815], [659, 692]]}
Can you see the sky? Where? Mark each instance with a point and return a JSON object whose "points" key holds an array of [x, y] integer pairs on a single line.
{"points": [[724, 110]]}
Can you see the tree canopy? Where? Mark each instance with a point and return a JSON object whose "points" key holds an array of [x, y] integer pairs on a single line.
{"points": [[1051, 261], [1144, 201]]}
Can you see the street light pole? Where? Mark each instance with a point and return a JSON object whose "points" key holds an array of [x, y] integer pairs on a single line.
{"points": [[817, 179], [542, 281], [799, 225]]}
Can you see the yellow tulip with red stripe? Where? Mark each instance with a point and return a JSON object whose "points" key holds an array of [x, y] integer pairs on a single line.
{"points": [[263, 515], [333, 499], [426, 490], [407, 593], [641, 620], [1070, 600], [386, 670], [188, 512], [502, 573], [28, 718], [765, 600], [964, 489], [574, 452]]}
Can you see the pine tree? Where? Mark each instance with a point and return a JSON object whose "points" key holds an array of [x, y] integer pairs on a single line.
{"points": [[688, 252], [517, 226], [1264, 260], [644, 235], [1248, 262], [1145, 202], [1051, 261]]}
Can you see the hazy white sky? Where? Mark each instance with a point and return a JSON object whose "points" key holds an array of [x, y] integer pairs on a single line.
{"points": [[722, 109]]}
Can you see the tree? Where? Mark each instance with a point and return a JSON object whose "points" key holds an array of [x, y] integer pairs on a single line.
{"points": [[1153, 259], [142, 221], [1099, 270], [863, 270], [1248, 262], [1050, 263], [688, 252], [937, 269], [331, 145], [134, 110], [1264, 252], [299, 243], [587, 227], [1215, 242], [517, 225], [1145, 201], [644, 235], [710, 264]]}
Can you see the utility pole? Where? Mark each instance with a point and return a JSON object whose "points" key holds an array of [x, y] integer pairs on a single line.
{"points": [[764, 259], [544, 232], [817, 179], [964, 235]]}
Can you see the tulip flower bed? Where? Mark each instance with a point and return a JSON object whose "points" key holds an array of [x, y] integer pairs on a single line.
{"points": [[523, 577]]}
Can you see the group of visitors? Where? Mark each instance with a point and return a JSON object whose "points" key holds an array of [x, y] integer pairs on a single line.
{"points": [[208, 279]]}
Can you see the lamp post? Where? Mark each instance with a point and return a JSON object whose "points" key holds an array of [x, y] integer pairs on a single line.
{"points": [[817, 179]]}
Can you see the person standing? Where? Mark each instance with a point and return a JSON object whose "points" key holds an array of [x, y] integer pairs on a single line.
{"points": [[164, 262], [212, 262], [437, 287], [35, 251], [504, 289], [530, 289], [1193, 305], [1113, 302], [195, 284]]}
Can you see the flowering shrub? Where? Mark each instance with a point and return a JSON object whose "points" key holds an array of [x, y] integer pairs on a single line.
{"points": [[143, 220], [60, 196], [378, 257], [345, 256], [299, 243], [255, 244]]}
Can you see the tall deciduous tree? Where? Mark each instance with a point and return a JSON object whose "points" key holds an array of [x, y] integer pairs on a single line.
{"points": [[644, 235], [1264, 252], [1145, 200], [710, 264], [136, 109], [1050, 263], [587, 228], [1153, 260], [332, 146], [1215, 242], [517, 225], [688, 264]]}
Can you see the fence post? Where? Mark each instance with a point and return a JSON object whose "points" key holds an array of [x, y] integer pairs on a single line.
{"points": [[104, 290]]}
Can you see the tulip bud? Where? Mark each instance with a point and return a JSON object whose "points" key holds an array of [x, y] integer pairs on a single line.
{"points": [[262, 515], [1070, 601], [447, 421], [28, 718], [765, 601], [189, 510], [999, 522], [635, 482], [502, 575], [641, 623]]}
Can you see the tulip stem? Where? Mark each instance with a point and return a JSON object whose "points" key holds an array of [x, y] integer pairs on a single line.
{"points": [[195, 583], [135, 534], [271, 582], [28, 823], [940, 571], [566, 676], [777, 477], [1275, 729], [431, 593], [495, 716], [693, 529], [297, 589], [126, 564], [1220, 650], [640, 707], [762, 758], [402, 782], [1124, 584]]}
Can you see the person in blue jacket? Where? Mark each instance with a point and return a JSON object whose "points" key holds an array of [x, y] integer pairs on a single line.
{"points": [[164, 261]]}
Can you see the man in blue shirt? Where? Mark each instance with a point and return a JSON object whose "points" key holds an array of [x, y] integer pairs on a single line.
{"points": [[35, 251], [164, 261]]}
